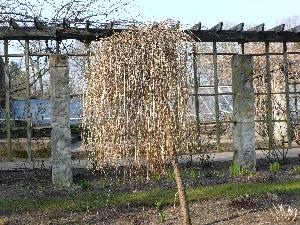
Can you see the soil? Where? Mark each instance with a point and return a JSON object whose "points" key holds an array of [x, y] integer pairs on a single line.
{"points": [[243, 210]]}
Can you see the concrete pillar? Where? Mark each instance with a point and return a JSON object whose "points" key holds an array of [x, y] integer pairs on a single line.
{"points": [[61, 133], [243, 112]]}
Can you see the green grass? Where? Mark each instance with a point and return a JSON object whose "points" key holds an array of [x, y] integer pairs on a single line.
{"points": [[90, 200]]}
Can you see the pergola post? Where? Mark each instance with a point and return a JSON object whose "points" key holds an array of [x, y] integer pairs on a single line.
{"points": [[60, 133], [243, 112], [7, 80]]}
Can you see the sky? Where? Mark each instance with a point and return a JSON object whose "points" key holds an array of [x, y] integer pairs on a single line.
{"points": [[211, 12]]}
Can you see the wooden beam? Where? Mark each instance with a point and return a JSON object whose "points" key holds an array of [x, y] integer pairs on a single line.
{"points": [[38, 23], [28, 111], [243, 48], [13, 24], [259, 28], [216, 92], [278, 28], [287, 95], [66, 23], [218, 27], [196, 91], [87, 25], [28, 33], [2, 77], [110, 25], [7, 101], [244, 36], [295, 29], [196, 26], [84, 35], [269, 98], [92, 34], [238, 27]]}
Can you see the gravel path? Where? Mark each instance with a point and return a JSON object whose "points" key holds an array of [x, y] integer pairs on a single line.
{"points": [[45, 163]]}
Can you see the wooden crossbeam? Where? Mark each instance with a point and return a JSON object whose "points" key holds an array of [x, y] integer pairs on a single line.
{"points": [[197, 26], [278, 28], [13, 24], [259, 28], [238, 27], [244, 36], [66, 23], [217, 27], [295, 29], [87, 25], [32, 33], [216, 34], [38, 23], [109, 26]]}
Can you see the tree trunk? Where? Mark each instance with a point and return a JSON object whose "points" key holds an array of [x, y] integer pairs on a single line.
{"points": [[186, 220]]}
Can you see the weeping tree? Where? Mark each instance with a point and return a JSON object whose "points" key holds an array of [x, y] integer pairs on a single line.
{"points": [[136, 101]]}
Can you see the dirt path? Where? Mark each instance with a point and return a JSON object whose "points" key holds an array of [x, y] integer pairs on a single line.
{"points": [[45, 163]]}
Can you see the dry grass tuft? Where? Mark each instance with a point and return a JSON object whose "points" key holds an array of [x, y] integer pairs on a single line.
{"points": [[287, 214]]}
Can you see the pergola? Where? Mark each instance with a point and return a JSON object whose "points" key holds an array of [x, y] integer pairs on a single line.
{"points": [[39, 30]]}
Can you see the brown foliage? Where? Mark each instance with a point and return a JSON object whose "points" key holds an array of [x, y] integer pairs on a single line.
{"points": [[135, 105]]}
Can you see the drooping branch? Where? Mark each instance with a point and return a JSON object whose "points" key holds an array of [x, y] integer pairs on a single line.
{"points": [[136, 102]]}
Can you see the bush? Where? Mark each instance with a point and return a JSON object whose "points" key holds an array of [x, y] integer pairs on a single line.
{"points": [[85, 185], [296, 169], [274, 167], [236, 170]]}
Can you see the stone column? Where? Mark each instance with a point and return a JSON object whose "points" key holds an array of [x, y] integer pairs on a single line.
{"points": [[60, 117], [243, 112]]}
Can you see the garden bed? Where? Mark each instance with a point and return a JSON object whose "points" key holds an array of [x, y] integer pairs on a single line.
{"points": [[215, 196]]}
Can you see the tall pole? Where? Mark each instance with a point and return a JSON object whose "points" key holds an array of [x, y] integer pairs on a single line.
{"points": [[7, 101], [28, 112], [269, 98], [196, 89], [287, 95], [216, 94]]}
